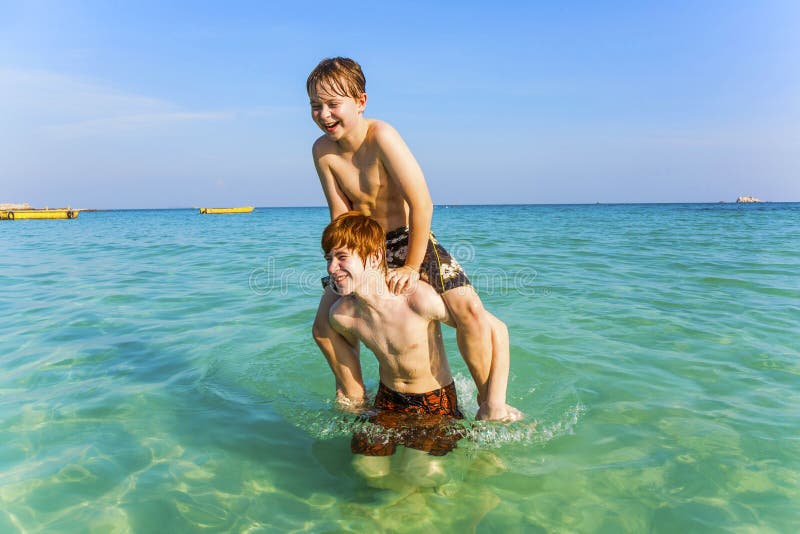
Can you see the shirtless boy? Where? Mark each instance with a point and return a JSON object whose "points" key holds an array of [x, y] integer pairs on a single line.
{"points": [[364, 165], [403, 332], [416, 403]]}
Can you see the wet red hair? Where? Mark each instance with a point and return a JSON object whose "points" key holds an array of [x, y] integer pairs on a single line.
{"points": [[358, 233]]}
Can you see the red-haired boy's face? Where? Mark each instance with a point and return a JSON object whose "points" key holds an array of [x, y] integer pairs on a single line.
{"points": [[335, 114], [346, 269]]}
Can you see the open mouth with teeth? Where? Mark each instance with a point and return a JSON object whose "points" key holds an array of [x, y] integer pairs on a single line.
{"points": [[330, 127], [339, 282]]}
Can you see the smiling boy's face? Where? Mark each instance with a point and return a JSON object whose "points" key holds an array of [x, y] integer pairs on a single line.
{"points": [[335, 114], [346, 269]]}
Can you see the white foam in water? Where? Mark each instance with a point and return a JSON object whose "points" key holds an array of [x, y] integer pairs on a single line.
{"points": [[526, 432], [327, 422]]}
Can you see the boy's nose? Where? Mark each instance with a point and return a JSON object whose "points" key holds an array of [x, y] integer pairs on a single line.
{"points": [[331, 267]]}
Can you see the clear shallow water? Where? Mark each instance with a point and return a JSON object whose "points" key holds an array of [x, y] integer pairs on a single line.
{"points": [[157, 374]]}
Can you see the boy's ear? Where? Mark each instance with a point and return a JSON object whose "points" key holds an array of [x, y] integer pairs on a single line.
{"points": [[376, 259], [362, 101]]}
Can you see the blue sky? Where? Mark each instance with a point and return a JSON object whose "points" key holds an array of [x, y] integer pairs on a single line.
{"points": [[137, 104]]}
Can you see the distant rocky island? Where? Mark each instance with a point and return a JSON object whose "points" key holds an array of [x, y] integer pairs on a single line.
{"points": [[745, 200]]}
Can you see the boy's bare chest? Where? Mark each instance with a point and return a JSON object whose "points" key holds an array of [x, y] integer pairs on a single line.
{"points": [[361, 177], [395, 337]]}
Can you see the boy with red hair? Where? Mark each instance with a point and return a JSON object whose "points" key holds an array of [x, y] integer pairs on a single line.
{"points": [[416, 397]]}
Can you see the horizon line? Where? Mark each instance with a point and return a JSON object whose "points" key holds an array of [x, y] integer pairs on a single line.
{"points": [[448, 205]]}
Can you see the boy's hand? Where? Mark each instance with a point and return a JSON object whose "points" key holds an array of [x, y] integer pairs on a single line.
{"points": [[346, 404], [503, 413], [402, 279]]}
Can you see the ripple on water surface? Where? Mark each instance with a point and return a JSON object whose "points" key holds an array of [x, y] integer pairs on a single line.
{"points": [[158, 374]]}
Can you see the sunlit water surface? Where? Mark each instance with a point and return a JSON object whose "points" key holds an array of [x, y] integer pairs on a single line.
{"points": [[157, 374]]}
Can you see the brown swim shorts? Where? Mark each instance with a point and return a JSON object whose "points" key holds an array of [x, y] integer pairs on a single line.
{"points": [[438, 268], [422, 421]]}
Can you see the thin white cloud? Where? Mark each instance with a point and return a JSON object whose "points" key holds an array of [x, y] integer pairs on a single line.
{"points": [[129, 122], [44, 95], [66, 107]]}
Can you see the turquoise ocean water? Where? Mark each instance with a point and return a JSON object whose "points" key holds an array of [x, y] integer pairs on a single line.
{"points": [[157, 374]]}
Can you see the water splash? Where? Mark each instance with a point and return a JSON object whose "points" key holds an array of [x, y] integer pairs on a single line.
{"points": [[323, 421]]}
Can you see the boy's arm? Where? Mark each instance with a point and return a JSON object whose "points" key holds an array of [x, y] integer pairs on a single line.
{"points": [[346, 366], [337, 201], [404, 169]]}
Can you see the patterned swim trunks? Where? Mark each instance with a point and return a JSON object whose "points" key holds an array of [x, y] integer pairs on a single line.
{"points": [[421, 421], [438, 268]]}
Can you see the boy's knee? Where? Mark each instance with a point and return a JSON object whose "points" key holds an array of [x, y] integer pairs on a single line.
{"points": [[470, 312], [422, 470], [371, 467]]}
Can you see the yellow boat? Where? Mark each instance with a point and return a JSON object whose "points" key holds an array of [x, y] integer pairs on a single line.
{"points": [[243, 209], [38, 214]]}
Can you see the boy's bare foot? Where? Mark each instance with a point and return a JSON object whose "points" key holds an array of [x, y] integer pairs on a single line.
{"points": [[503, 413]]}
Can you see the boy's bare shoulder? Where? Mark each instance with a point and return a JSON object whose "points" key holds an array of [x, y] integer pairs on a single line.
{"points": [[343, 306], [342, 317], [323, 146], [391, 144], [382, 131], [341, 313], [425, 301]]}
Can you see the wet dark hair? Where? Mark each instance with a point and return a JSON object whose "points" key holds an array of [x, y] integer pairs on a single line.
{"points": [[339, 75]]}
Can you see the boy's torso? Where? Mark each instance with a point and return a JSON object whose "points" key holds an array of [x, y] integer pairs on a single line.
{"points": [[365, 181], [408, 347]]}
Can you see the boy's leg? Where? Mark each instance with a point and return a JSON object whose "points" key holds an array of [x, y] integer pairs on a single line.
{"points": [[342, 357], [421, 469], [481, 337], [473, 334], [372, 467]]}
